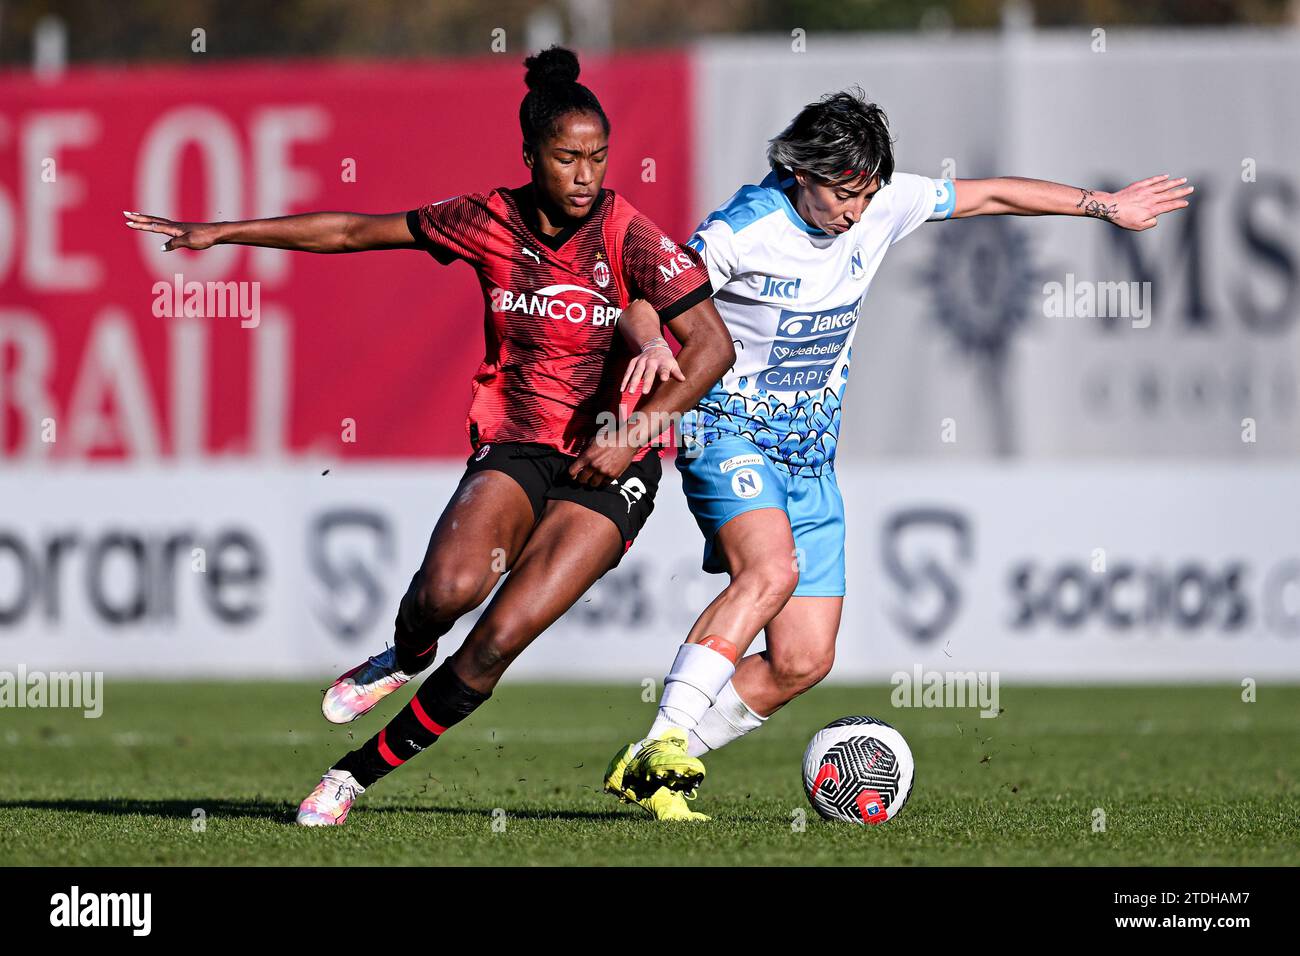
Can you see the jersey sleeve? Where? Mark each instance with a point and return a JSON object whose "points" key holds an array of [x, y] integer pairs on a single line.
{"points": [[450, 229], [669, 276], [715, 241], [919, 199]]}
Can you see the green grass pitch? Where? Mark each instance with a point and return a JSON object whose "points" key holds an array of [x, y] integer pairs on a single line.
{"points": [[1184, 775]]}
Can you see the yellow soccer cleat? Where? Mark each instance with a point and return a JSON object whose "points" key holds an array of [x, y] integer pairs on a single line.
{"points": [[614, 774], [663, 762], [668, 761], [666, 804], [662, 804]]}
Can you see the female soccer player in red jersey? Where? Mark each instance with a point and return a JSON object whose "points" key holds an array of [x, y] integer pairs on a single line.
{"points": [[558, 259]]}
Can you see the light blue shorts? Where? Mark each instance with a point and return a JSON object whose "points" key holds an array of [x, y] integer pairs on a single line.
{"points": [[732, 476]]}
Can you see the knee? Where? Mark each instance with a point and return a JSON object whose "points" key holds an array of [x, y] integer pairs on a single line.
{"points": [[445, 596], [490, 649], [796, 673], [768, 585]]}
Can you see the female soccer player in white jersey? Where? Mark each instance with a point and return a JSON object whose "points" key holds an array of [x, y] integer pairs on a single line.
{"points": [[790, 261]]}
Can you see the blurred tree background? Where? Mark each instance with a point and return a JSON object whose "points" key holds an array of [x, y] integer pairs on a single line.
{"points": [[160, 30]]}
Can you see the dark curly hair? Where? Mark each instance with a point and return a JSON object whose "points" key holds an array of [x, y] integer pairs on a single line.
{"points": [[841, 138], [553, 92]]}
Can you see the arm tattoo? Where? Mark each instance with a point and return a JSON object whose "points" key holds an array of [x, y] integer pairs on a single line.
{"points": [[1095, 207]]}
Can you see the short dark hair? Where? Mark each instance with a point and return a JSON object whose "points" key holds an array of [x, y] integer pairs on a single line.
{"points": [[553, 92], [839, 139]]}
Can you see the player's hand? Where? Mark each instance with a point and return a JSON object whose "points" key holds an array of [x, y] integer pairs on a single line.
{"points": [[656, 361], [183, 235], [1138, 205], [601, 461]]}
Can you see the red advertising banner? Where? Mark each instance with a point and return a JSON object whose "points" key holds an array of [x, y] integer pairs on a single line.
{"points": [[366, 355]]}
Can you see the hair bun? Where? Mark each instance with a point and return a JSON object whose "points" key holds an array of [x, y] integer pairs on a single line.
{"points": [[553, 65]]}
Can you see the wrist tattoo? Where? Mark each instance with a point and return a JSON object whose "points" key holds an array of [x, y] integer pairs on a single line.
{"points": [[1095, 207]]}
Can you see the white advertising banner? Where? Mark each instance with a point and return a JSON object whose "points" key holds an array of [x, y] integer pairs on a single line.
{"points": [[1044, 574]]}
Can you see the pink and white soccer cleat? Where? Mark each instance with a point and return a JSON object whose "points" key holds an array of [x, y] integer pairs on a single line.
{"points": [[356, 692], [329, 803]]}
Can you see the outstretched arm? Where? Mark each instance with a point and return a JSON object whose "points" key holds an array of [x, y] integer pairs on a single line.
{"points": [[1136, 206], [311, 232]]}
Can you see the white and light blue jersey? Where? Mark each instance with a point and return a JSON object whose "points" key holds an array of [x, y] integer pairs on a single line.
{"points": [[791, 296]]}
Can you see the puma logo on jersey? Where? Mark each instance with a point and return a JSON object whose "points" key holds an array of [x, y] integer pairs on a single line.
{"points": [[528, 252]]}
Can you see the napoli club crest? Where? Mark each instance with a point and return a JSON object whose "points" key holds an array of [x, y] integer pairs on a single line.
{"points": [[601, 274], [855, 265]]}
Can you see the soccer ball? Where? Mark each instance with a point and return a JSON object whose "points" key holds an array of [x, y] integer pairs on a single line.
{"points": [[859, 770]]}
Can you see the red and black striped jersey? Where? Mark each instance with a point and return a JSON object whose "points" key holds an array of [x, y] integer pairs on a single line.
{"points": [[553, 358]]}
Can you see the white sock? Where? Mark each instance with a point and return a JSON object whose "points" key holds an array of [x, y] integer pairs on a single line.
{"points": [[691, 687], [728, 719]]}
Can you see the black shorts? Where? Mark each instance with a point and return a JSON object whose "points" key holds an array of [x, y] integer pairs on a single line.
{"points": [[543, 473]]}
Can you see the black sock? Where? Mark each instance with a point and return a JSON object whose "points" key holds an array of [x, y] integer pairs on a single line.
{"points": [[416, 641], [442, 701], [415, 652]]}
